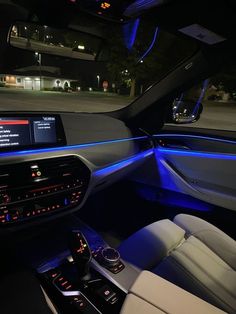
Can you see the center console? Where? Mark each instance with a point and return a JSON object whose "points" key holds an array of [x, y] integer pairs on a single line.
{"points": [[76, 287], [89, 277], [39, 188]]}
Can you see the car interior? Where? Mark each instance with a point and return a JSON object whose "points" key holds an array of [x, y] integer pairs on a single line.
{"points": [[124, 211]]}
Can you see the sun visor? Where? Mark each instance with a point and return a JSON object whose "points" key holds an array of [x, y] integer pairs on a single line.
{"points": [[203, 34]]}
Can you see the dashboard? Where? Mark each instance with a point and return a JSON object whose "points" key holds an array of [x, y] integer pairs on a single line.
{"points": [[51, 163]]}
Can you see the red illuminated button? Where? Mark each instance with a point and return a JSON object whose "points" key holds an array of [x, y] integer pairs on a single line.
{"points": [[62, 283], [80, 302], [53, 274], [106, 293]]}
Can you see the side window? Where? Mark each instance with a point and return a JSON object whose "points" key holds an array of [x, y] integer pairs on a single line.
{"points": [[218, 98]]}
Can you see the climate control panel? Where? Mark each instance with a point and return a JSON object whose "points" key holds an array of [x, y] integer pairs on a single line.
{"points": [[32, 189]]}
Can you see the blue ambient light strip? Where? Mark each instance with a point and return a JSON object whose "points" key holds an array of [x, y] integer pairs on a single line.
{"points": [[186, 153], [65, 148], [151, 46], [130, 32], [122, 164], [207, 138]]}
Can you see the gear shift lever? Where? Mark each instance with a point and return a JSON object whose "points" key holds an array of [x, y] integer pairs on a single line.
{"points": [[81, 253]]}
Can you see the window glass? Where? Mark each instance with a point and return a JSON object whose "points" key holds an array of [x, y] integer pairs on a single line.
{"points": [[218, 97]]}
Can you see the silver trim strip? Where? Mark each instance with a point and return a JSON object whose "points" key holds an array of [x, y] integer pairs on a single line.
{"points": [[103, 271], [75, 293]]}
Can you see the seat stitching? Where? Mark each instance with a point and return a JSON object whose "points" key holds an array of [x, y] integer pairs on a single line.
{"points": [[196, 234], [197, 281], [199, 248], [203, 269]]}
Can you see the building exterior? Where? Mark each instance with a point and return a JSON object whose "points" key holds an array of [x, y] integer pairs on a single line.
{"points": [[35, 78], [33, 82]]}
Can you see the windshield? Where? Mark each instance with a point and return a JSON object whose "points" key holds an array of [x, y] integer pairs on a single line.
{"points": [[140, 54]]}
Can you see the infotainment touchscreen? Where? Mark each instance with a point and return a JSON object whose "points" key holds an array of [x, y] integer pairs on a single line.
{"points": [[30, 131]]}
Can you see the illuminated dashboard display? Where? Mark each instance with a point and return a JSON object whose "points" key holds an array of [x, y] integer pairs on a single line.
{"points": [[30, 131]]}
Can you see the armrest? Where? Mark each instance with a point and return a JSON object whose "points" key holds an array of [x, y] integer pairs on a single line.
{"points": [[151, 294]]}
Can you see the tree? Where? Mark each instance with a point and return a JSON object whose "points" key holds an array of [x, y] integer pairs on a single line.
{"points": [[127, 66], [226, 78]]}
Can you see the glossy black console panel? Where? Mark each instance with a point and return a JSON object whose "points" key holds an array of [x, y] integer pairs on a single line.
{"points": [[73, 295], [30, 190]]}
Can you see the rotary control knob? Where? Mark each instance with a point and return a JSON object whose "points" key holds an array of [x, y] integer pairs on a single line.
{"points": [[110, 256]]}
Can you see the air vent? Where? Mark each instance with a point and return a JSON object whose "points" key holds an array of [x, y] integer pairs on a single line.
{"points": [[21, 174]]}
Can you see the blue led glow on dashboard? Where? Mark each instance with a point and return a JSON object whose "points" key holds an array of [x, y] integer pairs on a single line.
{"points": [[122, 164], [66, 148]]}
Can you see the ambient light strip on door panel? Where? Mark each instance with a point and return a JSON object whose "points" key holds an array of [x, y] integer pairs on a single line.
{"points": [[65, 148], [187, 153], [197, 137]]}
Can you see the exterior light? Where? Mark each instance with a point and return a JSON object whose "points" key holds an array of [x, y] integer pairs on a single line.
{"points": [[81, 47], [141, 61], [36, 53], [98, 78]]}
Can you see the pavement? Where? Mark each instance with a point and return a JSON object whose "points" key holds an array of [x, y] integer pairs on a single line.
{"points": [[18, 100], [215, 115]]}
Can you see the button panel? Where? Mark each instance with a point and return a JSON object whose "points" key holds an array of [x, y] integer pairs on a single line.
{"points": [[29, 190], [25, 211]]}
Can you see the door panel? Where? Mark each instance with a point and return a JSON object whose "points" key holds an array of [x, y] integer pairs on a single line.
{"points": [[203, 167]]}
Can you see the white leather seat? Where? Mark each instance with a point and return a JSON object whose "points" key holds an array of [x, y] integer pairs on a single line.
{"points": [[191, 253]]}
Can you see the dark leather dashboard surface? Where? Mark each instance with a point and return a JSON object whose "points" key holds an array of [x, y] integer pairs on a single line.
{"points": [[105, 145]]}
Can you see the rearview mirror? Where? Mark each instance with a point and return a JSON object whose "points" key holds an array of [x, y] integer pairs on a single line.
{"points": [[48, 40]]}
